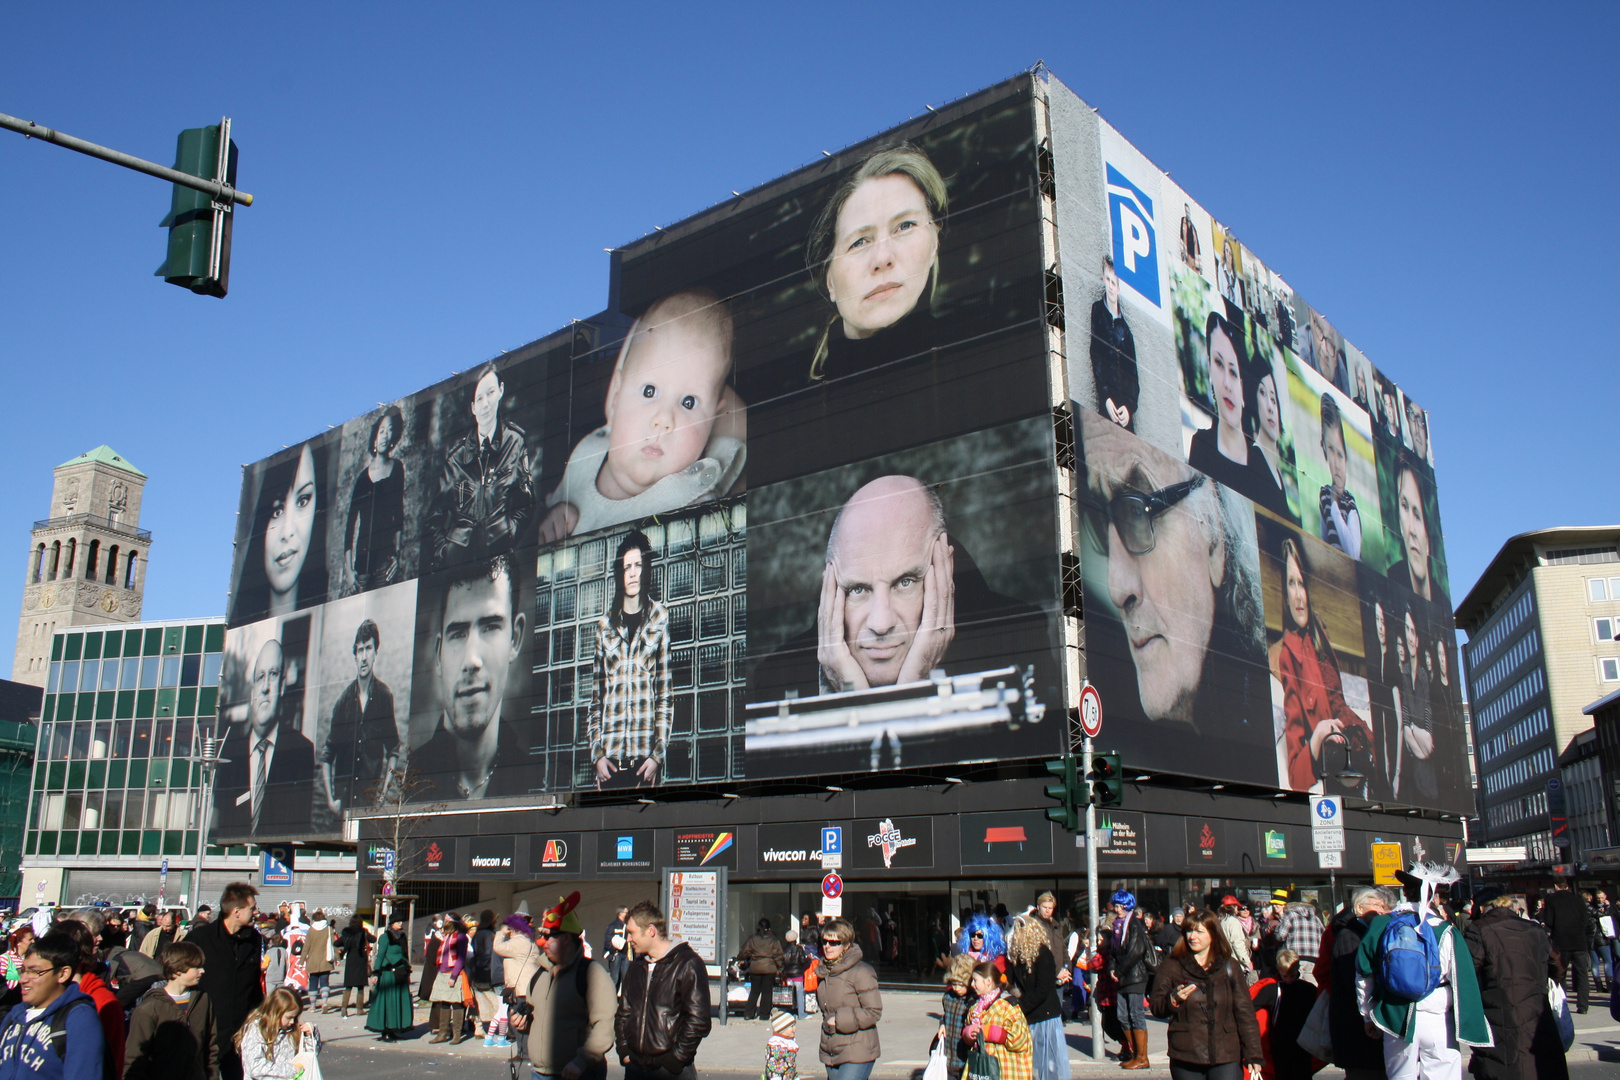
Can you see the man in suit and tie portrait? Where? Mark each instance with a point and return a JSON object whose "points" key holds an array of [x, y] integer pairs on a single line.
{"points": [[267, 784]]}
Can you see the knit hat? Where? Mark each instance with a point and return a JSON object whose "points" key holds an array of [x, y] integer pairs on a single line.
{"points": [[781, 1020], [562, 916], [1124, 899]]}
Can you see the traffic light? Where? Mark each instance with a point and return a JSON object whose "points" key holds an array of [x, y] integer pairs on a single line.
{"points": [[1071, 793], [1106, 780], [199, 226]]}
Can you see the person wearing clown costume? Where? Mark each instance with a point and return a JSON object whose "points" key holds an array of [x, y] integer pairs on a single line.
{"points": [[570, 1030]]}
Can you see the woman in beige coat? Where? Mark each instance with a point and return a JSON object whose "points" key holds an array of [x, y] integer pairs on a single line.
{"points": [[850, 1005], [519, 954]]}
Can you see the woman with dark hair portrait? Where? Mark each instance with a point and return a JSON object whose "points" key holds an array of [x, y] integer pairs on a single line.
{"points": [[873, 251], [285, 565], [1415, 570], [630, 702], [1314, 711], [1223, 452], [1415, 775], [1262, 422], [372, 535]]}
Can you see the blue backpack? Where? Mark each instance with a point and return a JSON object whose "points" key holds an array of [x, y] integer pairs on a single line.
{"points": [[1408, 959]]}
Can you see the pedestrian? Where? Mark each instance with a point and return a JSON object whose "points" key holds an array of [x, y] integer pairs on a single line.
{"points": [[1130, 955], [1299, 929], [663, 1011], [1165, 934], [569, 1020], [614, 955], [275, 961], [320, 957], [1423, 1037], [953, 1010], [1571, 924], [847, 993], [50, 999], [431, 941], [449, 1001], [762, 953], [481, 973], [1033, 970], [272, 1036], [167, 931], [782, 1048], [390, 1013], [231, 976], [810, 935], [204, 914], [1359, 1054], [354, 947], [85, 929], [1513, 961], [114, 934], [1105, 991], [995, 1025], [1057, 933], [283, 917], [794, 962], [520, 956], [1237, 938], [1608, 950], [18, 942], [171, 1031], [1204, 994], [1282, 1004]]}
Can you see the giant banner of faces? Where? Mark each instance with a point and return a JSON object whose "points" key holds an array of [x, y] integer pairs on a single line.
{"points": [[792, 514], [1266, 587]]}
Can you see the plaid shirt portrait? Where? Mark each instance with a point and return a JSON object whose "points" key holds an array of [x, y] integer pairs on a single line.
{"points": [[630, 703]]}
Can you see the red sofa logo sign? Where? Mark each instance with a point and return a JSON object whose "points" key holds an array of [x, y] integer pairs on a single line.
{"points": [[433, 857]]}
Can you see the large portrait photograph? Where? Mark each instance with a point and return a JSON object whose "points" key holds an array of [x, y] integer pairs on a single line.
{"points": [[1336, 466], [903, 610], [888, 296], [381, 488], [266, 783], [281, 564], [1175, 623]]}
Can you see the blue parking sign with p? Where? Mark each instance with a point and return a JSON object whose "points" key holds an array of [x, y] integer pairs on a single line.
{"points": [[832, 840]]}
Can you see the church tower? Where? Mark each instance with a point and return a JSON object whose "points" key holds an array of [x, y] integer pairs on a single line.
{"points": [[87, 560]]}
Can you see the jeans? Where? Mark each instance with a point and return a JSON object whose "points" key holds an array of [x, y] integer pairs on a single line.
{"points": [[854, 1070], [1226, 1070], [1601, 962], [319, 983], [798, 996], [632, 1071], [1131, 1010]]}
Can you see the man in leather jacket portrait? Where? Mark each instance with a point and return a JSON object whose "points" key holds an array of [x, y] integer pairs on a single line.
{"points": [[484, 497]]}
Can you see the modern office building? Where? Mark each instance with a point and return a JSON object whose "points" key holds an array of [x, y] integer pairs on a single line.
{"points": [[825, 522], [1542, 623], [87, 560], [117, 789]]}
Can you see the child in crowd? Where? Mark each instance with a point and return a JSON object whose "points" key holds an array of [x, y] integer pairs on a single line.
{"points": [[782, 1048], [274, 963], [272, 1036], [675, 432], [171, 1031], [1341, 521]]}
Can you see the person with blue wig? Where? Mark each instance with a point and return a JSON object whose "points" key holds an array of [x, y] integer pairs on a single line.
{"points": [[982, 939], [1128, 960]]}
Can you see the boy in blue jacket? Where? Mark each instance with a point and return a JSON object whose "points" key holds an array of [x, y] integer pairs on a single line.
{"points": [[50, 1034]]}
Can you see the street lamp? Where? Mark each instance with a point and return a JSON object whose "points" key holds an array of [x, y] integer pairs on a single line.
{"points": [[207, 759]]}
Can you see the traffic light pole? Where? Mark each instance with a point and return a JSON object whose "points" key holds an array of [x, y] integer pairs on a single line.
{"points": [[223, 192], [1097, 1053]]}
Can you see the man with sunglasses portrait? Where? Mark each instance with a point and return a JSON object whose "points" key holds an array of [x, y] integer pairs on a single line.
{"points": [[1180, 570]]}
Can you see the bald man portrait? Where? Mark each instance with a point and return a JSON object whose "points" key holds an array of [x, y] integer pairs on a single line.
{"points": [[898, 599], [267, 787]]}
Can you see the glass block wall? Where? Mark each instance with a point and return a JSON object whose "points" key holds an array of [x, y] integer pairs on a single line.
{"points": [[700, 566], [123, 708]]}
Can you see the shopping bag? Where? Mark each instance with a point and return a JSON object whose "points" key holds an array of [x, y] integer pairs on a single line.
{"points": [[938, 1063], [1314, 1037], [812, 976], [307, 1065], [981, 1064], [782, 995], [1558, 1001]]}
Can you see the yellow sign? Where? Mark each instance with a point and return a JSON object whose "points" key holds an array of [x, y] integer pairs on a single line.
{"points": [[1386, 859]]}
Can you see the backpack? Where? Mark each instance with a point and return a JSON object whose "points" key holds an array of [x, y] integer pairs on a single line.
{"points": [[582, 973], [132, 973], [1408, 959], [59, 1036]]}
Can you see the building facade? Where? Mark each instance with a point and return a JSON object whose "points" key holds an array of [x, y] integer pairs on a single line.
{"points": [[19, 720], [86, 561], [117, 789], [825, 522], [1541, 624]]}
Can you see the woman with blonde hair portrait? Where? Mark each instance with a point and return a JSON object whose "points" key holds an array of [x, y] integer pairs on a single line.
{"points": [[873, 252]]}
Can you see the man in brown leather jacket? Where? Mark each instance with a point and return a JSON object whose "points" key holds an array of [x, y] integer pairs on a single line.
{"points": [[663, 1003]]}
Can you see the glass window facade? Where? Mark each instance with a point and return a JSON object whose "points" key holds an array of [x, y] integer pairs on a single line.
{"points": [[117, 723]]}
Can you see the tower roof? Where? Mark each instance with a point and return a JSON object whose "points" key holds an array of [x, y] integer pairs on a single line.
{"points": [[106, 455]]}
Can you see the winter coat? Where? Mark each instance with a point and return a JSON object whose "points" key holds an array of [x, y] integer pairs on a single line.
{"points": [[151, 941], [763, 952], [113, 1028], [851, 1006], [521, 958], [1513, 959], [794, 960], [319, 948], [1129, 963], [1037, 987], [356, 946], [1214, 1026], [231, 977], [663, 1010], [170, 1041], [1569, 921], [1352, 1048], [576, 1030], [480, 960]]}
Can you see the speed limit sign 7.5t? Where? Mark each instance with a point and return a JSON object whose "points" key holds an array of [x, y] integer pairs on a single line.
{"points": [[1090, 711]]}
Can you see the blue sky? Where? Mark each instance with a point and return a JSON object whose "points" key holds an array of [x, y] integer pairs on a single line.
{"points": [[435, 186]]}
